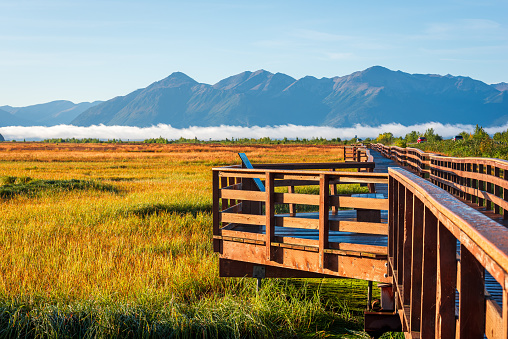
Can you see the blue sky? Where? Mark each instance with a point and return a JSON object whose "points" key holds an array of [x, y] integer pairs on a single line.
{"points": [[96, 50]]}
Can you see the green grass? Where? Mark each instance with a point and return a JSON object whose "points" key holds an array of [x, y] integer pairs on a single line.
{"points": [[282, 309], [14, 186]]}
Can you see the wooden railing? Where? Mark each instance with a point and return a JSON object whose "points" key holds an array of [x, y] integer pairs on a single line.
{"points": [[359, 153], [439, 252], [244, 215], [425, 226], [481, 181]]}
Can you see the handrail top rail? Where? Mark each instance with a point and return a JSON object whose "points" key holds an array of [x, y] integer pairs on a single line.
{"points": [[488, 235], [435, 156], [301, 172], [309, 165]]}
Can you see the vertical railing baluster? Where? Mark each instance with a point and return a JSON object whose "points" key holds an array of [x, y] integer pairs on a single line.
{"points": [[215, 210], [471, 297], [481, 185], [324, 201], [224, 202], [446, 282], [232, 181], [497, 190], [429, 267], [292, 207], [488, 189], [270, 214], [333, 191], [416, 265], [391, 214], [395, 225], [400, 233], [408, 231]]}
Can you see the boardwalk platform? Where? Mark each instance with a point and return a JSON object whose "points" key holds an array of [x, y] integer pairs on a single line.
{"points": [[405, 233]]}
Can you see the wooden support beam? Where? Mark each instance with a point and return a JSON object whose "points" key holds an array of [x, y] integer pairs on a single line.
{"points": [[408, 239], [401, 201], [391, 216], [497, 190], [471, 297], [416, 265], [446, 282], [270, 215], [429, 268], [333, 191], [323, 217], [292, 207], [224, 184], [215, 210]]}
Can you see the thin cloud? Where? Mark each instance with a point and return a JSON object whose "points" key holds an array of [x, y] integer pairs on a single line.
{"points": [[223, 132]]}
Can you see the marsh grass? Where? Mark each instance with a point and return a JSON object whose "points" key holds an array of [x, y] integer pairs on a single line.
{"points": [[12, 186], [114, 241]]}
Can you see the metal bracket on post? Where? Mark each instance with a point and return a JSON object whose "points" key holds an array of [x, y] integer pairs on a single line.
{"points": [[259, 273]]}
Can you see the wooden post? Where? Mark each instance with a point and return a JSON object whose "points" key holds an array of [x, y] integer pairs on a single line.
{"points": [[488, 188], [400, 233], [429, 268], [292, 210], [497, 190], [446, 282], [394, 223], [333, 191], [469, 196], [391, 216], [372, 187], [270, 214], [416, 265], [323, 217], [471, 297], [224, 202], [481, 185], [408, 231], [215, 210], [232, 181]]}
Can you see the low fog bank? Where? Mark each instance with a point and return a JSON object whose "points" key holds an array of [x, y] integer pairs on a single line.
{"points": [[125, 133]]}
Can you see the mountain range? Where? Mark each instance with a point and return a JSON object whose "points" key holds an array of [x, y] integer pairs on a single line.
{"points": [[48, 114], [374, 96]]}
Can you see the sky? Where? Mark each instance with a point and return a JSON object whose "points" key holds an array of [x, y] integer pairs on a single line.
{"points": [[96, 50]]}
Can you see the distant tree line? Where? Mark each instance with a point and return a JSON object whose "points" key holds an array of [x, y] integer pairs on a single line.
{"points": [[476, 144], [249, 141], [82, 141]]}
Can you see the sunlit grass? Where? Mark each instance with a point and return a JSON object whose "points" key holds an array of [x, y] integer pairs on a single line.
{"points": [[114, 240]]}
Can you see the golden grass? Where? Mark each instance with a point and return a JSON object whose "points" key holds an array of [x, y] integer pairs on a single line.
{"points": [[153, 236]]}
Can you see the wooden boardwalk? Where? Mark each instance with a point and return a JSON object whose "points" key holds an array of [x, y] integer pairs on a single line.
{"points": [[406, 233]]}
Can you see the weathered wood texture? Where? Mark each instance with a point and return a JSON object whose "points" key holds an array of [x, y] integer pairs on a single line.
{"points": [[439, 222]]}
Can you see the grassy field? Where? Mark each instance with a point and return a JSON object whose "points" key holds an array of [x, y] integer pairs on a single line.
{"points": [[106, 240]]}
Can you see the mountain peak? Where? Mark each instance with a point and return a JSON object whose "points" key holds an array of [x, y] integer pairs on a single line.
{"points": [[175, 79]]}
